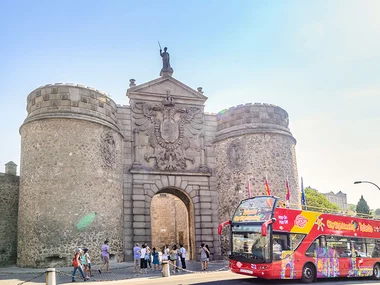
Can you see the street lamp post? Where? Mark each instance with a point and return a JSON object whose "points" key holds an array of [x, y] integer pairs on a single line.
{"points": [[358, 182]]}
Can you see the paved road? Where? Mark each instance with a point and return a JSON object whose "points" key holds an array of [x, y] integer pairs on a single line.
{"points": [[228, 278], [211, 278]]}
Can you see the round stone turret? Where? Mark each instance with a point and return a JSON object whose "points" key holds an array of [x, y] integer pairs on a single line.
{"points": [[252, 142], [71, 176]]}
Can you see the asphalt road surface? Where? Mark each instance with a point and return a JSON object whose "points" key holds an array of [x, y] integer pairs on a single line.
{"points": [[228, 278], [210, 278]]}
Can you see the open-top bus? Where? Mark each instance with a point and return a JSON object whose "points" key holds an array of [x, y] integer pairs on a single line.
{"points": [[274, 242]]}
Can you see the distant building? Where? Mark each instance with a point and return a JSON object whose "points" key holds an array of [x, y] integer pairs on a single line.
{"points": [[340, 199], [9, 193]]}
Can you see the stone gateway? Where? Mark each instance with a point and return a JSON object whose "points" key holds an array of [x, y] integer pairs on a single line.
{"points": [[159, 170]]}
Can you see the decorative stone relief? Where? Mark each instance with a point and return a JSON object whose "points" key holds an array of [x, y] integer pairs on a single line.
{"points": [[108, 149], [234, 152], [169, 129]]}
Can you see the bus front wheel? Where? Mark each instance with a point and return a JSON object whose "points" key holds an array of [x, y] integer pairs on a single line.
{"points": [[376, 272], [308, 273]]}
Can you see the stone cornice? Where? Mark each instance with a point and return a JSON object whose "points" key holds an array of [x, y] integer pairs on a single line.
{"points": [[253, 129], [70, 115]]}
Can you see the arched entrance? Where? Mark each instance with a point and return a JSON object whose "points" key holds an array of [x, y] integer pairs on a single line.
{"points": [[172, 220]]}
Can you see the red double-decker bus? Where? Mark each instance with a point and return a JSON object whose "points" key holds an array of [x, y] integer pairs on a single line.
{"points": [[272, 242]]}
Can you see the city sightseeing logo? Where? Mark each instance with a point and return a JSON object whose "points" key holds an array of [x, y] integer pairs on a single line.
{"points": [[352, 226]]}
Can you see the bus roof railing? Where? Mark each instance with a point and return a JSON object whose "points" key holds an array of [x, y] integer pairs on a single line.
{"points": [[341, 212]]}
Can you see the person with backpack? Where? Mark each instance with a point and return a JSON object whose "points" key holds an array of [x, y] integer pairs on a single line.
{"points": [[77, 265], [208, 255], [203, 251]]}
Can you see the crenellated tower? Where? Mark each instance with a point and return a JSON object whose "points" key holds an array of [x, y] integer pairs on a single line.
{"points": [[71, 175]]}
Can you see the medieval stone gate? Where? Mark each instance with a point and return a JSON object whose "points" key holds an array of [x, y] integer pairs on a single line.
{"points": [[172, 153], [76, 139]]}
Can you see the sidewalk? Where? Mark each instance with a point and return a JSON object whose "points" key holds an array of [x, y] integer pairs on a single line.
{"points": [[118, 271]]}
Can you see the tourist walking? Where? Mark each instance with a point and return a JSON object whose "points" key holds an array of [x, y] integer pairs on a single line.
{"points": [[88, 260], [173, 257], [85, 263], [136, 258], [182, 254], [77, 265], [105, 256], [143, 261], [156, 260], [203, 251]]}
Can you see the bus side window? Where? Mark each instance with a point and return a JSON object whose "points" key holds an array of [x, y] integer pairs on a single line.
{"points": [[376, 249], [359, 247], [338, 246], [312, 248], [295, 240], [373, 247]]}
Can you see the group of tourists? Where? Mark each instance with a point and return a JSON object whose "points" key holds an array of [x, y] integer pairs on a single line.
{"points": [[82, 262], [144, 257]]}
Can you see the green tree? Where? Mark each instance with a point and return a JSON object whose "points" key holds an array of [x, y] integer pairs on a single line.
{"points": [[362, 208], [377, 212], [316, 201]]}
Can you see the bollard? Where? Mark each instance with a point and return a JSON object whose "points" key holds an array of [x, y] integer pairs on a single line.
{"points": [[165, 269], [50, 276]]}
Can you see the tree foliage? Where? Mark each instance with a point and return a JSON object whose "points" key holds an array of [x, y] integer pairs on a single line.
{"points": [[377, 212], [362, 208], [316, 201]]}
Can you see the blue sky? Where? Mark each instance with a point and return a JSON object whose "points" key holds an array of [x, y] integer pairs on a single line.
{"points": [[318, 60]]}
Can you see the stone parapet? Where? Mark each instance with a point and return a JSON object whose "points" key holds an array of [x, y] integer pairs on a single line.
{"points": [[252, 118], [71, 101]]}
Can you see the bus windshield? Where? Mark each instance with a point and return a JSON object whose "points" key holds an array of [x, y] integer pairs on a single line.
{"points": [[258, 209], [248, 243]]}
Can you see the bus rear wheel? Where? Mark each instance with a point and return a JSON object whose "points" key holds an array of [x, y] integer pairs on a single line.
{"points": [[376, 272], [308, 273]]}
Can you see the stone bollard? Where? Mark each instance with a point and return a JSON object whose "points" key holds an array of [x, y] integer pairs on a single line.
{"points": [[165, 269], [50, 276]]}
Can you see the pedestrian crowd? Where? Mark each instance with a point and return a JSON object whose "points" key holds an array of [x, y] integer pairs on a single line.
{"points": [[144, 256]]}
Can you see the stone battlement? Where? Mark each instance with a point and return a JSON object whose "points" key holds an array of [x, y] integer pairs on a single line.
{"points": [[71, 101], [252, 118]]}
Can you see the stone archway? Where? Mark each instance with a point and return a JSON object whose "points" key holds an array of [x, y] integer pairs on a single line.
{"points": [[172, 220]]}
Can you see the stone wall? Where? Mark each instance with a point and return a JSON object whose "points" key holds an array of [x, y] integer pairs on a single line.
{"points": [[253, 142], [9, 194], [124, 121], [170, 221], [71, 177]]}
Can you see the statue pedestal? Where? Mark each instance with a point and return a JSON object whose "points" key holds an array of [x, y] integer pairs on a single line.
{"points": [[166, 72]]}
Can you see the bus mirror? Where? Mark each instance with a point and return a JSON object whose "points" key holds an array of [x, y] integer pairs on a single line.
{"points": [[264, 229], [221, 226]]}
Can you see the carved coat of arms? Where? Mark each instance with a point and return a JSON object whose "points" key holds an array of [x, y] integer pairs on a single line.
{"points": [[108, 149], [169, 129]]}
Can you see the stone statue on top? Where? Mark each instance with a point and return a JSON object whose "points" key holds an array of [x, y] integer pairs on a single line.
{"points": [[166, 70]]}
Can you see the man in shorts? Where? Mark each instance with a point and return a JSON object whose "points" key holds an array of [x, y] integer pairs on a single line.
{"points": [[136, 258]]}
